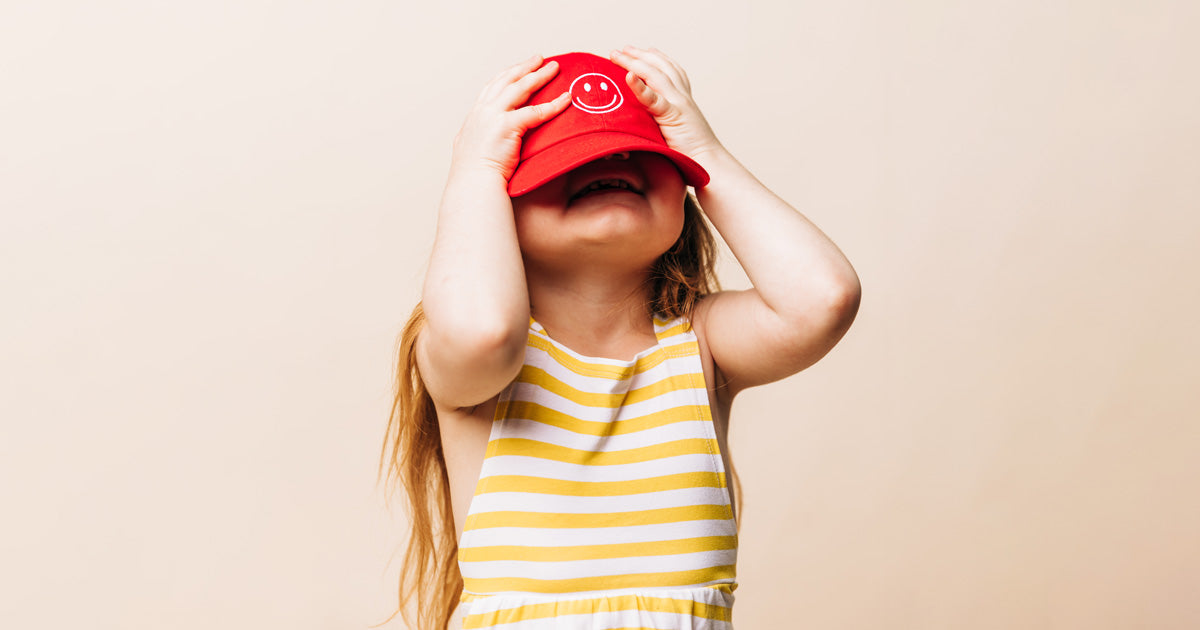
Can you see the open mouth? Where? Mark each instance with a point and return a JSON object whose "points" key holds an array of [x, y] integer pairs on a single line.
{"points": [[606, 184]]}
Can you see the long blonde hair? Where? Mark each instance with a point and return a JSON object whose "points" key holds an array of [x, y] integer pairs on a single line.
{"points": [[678, 279]]}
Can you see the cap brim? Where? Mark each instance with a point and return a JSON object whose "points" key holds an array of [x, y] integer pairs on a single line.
{"points": [[575, 152]]}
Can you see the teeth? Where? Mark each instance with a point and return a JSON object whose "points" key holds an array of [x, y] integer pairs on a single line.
{"points": [[608, 183]]}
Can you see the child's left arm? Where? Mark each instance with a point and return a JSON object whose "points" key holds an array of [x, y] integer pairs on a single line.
{"points": [[806, 294]]}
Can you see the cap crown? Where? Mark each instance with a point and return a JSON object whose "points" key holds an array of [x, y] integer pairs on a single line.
{"points": [[601, 101], [604, 117]]}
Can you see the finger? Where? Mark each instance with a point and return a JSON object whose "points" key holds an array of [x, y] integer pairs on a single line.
{"points": [[653, 101], [506, 77], [679, 71], [656, 61], [531, 116], [515, 94], [653, 76]]}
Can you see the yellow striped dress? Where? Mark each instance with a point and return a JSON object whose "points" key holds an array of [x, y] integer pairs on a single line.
{"points": [[602, 501]]}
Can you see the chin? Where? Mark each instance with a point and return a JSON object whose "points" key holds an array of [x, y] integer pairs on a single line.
{"points": [[615, 248]]}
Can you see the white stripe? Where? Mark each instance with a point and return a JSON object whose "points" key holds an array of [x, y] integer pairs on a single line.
{"points": [[550, 434], [673, 398], [531, 502], [572, 569], [537, 467], [572, 536]]}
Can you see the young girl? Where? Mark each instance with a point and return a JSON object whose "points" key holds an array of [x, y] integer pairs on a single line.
{"points": [[565, 382]]}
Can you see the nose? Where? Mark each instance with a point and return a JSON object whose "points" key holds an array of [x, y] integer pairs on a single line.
{"points": [[620, 155]]}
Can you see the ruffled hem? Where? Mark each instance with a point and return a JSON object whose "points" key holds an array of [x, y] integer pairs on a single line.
{"points": [[697, 608]]}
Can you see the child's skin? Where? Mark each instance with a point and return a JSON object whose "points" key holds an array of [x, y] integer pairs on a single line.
{"points": [[579, 267]]}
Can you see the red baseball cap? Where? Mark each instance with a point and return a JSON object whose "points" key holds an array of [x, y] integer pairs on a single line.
{"points": [[604, 117]]}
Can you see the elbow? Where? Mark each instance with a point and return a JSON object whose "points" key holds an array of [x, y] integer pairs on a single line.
{"points": [[501, 341], [842, 304], [490, 340], [832, 306], [824, 320], [844, 298]]}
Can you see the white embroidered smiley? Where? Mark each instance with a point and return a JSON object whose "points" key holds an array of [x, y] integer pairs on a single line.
{"points": [[595, 93]]}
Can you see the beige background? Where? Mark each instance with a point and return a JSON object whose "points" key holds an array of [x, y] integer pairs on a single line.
{"points": [[216, 216]]}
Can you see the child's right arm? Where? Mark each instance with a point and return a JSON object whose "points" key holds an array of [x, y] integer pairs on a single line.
{"points": [[475, 300]]}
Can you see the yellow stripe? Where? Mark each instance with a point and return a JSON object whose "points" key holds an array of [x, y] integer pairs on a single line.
{"points": [[542, 378], [596, 370], [544, 485], [677, 329], [527, 410], [613, 603], [597, 552], [556, 520], [605, 370], [599, 583], [545, 450]]}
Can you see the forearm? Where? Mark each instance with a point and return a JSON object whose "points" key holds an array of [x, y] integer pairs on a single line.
{"points": [[476, 278], [788, 259]]}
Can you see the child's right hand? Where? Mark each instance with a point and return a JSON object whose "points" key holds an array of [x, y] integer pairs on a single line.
{"points": [[490, 138]]}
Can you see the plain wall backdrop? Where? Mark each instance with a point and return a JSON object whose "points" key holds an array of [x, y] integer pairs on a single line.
{"points": [[215, 218]]}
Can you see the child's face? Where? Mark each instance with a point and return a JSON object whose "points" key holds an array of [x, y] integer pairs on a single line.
{"points": [[562, 222]]}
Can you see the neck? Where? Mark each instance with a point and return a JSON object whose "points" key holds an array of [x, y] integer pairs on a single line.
{"points": [[602, 312]]}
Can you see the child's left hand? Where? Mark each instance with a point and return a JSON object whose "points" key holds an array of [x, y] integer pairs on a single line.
{"points": [[662, 86]]}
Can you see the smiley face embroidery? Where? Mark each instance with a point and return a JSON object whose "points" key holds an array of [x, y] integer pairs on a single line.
{"points": [[595, 93]]}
